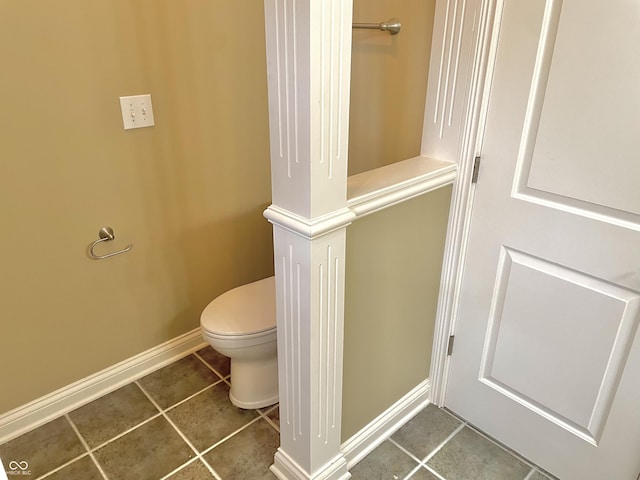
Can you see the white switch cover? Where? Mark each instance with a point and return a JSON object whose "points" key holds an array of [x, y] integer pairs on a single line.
{"points": [[137, 111]]}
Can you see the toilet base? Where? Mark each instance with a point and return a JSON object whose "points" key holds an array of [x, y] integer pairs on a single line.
{"points": [[254, 384]]}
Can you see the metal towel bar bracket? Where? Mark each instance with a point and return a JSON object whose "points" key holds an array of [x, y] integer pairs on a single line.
{"points": [[106, 234], [392, 26]]}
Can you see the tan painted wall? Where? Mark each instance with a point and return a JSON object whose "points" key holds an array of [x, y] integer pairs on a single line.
{"points": [[394, 259], [389, 79], [189, 192]]}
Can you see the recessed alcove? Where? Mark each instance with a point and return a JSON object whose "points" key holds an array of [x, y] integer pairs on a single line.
{"points": [[400, 201], [388, 83]]}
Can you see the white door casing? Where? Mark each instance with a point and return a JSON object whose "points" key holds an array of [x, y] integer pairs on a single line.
{"points": [[547, 356]]}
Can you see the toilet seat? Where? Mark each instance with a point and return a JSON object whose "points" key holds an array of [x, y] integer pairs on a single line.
{"points": [[248, 311], [230, 342]]}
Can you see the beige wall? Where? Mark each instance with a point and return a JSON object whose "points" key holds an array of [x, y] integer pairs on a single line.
{"points": [[389, 78], [393, 266], [189, 192]]}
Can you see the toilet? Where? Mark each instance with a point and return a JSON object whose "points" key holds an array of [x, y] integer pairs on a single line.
{"points": [[241, 324]]}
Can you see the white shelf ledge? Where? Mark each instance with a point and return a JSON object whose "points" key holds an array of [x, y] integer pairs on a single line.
{"points": [[376, 189]]}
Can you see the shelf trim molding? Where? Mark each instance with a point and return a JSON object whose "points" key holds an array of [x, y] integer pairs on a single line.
{"points": [[372, 191]]}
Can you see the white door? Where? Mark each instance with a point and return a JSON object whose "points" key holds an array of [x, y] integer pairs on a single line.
{"points": [[547, 348]]}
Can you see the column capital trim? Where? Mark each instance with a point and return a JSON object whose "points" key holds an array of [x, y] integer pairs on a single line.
{"points": [[309, 228]]}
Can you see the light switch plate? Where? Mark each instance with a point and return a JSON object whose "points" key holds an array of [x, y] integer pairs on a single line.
{"points": [[137, 111]]}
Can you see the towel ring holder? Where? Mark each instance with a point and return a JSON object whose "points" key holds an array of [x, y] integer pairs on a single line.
{"points": [[105, 235]]}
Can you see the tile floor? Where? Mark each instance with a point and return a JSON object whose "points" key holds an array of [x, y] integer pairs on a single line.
{"points": [[178, 424], [436, 445]]}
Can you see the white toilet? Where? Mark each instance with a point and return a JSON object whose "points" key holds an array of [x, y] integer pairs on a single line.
{"points": [[241, 324]]}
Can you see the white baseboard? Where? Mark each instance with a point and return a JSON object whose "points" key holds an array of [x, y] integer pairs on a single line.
{"points": [[385, 424], [66, 399]]}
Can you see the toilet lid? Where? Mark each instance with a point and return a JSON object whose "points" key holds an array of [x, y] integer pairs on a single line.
{"points": [[245, 310]]}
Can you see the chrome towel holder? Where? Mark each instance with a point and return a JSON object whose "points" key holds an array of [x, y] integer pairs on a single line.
{"points": [[392, 26], [106, 234]]}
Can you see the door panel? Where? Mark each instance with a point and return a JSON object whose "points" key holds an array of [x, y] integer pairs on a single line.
{"points": [[579, 68], [537, 310], [547, 350]]}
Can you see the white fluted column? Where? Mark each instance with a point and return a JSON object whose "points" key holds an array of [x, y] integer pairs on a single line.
{"points": [[308, 62]]}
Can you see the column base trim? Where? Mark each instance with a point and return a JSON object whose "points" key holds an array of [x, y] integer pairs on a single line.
{"points": [[285, 468]]}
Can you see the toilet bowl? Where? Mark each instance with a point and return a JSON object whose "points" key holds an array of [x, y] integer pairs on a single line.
{"points": [[241, 324]]}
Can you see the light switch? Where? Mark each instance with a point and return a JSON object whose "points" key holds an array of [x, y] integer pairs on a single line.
{"points": [[137, 111]]}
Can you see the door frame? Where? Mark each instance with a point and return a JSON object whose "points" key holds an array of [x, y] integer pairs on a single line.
{"points": [[464, 42]]}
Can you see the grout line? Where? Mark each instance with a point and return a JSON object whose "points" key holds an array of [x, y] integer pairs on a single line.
{"points": [[439, 447], [184, 400], [270, 409], [404, 450], [273, 424], [412, 472], [211, 469], [207, 450], [199, 456], [57, 469], [266, 417], [222, 377], [530, 474], [210, 367], [504, 447], [86, 446], [166, 417], [120, 435], [226, 380], [433, 472], [186, 464], [177, 469]]}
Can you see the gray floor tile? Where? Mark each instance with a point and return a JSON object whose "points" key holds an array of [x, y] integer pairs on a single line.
{"points": [[246, 455], [45, 448], [209, 417], [83, 469], [468, 455], [423, 433], [423, 474], [147, 453], [386, 461], [155, 449], [177, 381], [112, 414], [217, 361], [194, 471]]}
